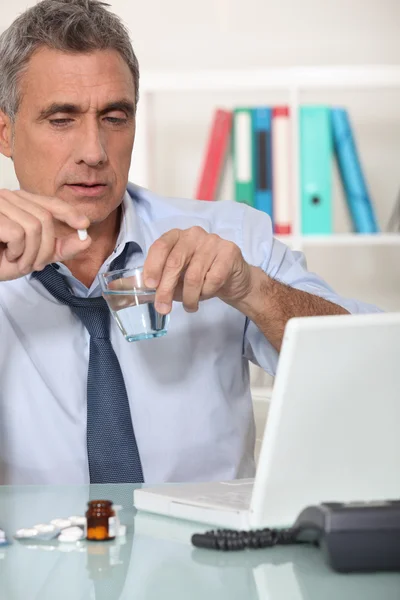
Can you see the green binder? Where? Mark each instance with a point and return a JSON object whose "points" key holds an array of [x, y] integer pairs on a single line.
{"points": [[243, 155], [316, 153]]}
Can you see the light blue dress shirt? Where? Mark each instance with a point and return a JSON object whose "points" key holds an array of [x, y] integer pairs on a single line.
{"points": [[189, 391]]}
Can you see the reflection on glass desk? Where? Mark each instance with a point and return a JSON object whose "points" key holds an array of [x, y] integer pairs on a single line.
{"points": [[155, 561]]}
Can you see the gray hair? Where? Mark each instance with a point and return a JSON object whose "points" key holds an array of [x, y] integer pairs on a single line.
{"points": [[66, 25]]}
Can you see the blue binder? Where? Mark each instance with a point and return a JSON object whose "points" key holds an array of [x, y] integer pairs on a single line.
{"points": [[316, 169], [262, 159], [355, 187]]}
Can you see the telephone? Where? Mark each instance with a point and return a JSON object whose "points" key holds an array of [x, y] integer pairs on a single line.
{"points": [[353, 536]]}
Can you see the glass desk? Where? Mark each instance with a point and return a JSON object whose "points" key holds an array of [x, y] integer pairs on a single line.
{"points": [[155, 561]]}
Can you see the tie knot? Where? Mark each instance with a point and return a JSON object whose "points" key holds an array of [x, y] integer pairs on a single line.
{"points": [[95, 316]]}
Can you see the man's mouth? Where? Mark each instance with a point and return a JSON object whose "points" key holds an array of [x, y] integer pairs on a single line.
{"points": [[87, 189]]}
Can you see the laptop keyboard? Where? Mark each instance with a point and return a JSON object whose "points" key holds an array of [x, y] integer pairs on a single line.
{"points": [[239, 499]]}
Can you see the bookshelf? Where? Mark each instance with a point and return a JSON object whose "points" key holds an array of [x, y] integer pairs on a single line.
{"points": [[294, 81], [340, 239]]}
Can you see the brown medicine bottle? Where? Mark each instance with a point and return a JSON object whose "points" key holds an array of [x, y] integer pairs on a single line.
{"points": [[101, 521]]}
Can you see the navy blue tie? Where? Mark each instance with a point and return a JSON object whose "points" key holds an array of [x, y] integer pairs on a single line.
{"points": [[111, 444]]}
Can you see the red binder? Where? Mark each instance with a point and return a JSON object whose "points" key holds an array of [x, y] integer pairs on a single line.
{"points": [[214, 159], [281, 178]]}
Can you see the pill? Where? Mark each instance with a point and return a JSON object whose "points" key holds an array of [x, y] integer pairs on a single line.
{"points": [[72, 532], [26, 533], [82, 233], [44, 528], [61, 523], [75, 520], [69, 539]]}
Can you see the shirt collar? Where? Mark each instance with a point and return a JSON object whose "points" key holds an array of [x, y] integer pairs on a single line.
{"points": [[130, 229]]}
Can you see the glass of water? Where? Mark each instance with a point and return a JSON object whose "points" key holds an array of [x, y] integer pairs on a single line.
{"points": [[132, 304]]}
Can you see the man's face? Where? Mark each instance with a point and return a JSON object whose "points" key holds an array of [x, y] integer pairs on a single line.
{"points": [[75, 128]]}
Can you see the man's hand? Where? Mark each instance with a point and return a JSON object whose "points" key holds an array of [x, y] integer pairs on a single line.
{"points": [[28, 240], [192, 265]]}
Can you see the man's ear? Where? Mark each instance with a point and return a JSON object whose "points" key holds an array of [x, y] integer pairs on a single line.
{"points": [[6, 135]]}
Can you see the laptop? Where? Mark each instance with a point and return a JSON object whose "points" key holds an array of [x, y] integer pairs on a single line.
{"points": [[332, 432]]}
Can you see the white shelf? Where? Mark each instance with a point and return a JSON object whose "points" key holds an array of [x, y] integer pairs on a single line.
{"points": [[363, 76], [339, 239]]}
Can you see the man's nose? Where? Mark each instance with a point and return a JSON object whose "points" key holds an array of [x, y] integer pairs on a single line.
{"points": [[91, 147]]}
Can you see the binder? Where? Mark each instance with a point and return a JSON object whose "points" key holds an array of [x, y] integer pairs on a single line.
{"points": [[215, 156], [263, 159], [357, 195], [281, 175], [316, 150], [243, 155]]}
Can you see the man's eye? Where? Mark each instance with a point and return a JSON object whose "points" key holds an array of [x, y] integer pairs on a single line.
{"points": [[115, 120], [60, 122]]}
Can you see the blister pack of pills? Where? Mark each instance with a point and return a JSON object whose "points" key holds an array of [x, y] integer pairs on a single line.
{"points": [[68, 531], [63, 530]]}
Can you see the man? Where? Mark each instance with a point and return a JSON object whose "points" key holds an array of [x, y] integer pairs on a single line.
{"points": [[77, 402]]}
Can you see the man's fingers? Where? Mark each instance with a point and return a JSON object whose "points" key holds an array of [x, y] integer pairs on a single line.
{"points": [[175, 266], [27, 232], [32, 233], [217, 275], [167, 260], [12, 236], [69, 246], [60, 210], [157, 257], [196, 272], [47, 242]]}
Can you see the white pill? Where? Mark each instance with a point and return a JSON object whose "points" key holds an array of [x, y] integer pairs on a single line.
{"points": [[77, 520], [26, 533], [121, 531], [61, 523], [69, 538], [43, 528], [82, 233], [73, 532]]}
